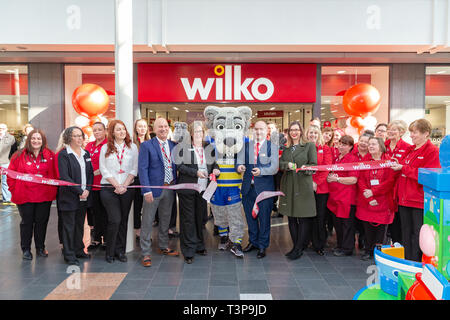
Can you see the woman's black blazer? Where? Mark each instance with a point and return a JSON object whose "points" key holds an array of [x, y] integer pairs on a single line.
{"points": [[68, 198], [187, 171]]}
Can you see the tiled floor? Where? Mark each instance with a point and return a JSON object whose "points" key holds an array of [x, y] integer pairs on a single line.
{"points": [[217, 276]]}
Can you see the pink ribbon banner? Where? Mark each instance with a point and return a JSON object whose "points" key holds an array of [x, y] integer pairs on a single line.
{"points": [[263, 196], [352, 166], [53, 182]]}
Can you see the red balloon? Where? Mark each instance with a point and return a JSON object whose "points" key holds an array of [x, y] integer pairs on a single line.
{"points": [[90, 100], [356, 122], [87, 130], [93, 120], [361, 100]]}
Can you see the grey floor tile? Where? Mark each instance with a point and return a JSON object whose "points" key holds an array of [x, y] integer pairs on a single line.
{"points": [[193, 286], [314, 287], [306, 273], [160, 293], [167, 279], [186, 296], [127, 296], [223, 279], [334, 279], [133, 286], [253, 286], [286, 293], [223, 293]]}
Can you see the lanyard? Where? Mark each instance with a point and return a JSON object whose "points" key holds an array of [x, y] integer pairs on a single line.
{"points": [[197, 151], [120, 159], [164, 152]]}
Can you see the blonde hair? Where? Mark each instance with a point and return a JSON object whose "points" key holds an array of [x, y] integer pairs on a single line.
{"points": [[61, 145], [400, 125], [319, 132]]}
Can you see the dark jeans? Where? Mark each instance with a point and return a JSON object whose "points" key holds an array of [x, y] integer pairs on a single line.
{"points": [[345, 231], [34, 220], [100, 216], [319, 230], [192, 211], [300, 230], [117, 208], [374, 234], [73, 230], [411, 221]]}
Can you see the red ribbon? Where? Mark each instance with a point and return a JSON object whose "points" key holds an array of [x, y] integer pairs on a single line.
{"points": [[352, 166]]}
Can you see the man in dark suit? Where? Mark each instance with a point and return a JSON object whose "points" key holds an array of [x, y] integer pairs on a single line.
{"points": [[261, 163], [156, 167]]}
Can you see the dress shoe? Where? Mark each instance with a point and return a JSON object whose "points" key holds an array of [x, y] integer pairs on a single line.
{"points": [[188, 260], [289, 253], [249, 247], [83, 256], [295, 255], [27, 255], [42, 253], [320, 252], [109, 259], [202, 252], [122, 257], [146, 261], [261, 253]]}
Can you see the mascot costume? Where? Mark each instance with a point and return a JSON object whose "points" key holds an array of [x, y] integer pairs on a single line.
{"points": [[228, 126]]}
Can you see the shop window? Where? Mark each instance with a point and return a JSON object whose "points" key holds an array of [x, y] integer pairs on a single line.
{"points": [[437, 102], [336, 80], [14, 98], [75, 76]]}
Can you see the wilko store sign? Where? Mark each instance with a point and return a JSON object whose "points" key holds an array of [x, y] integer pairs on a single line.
{"points": [[227, 83]]}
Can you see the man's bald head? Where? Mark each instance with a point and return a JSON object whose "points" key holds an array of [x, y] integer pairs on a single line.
{"points": [[161, 128], [260, 130]]}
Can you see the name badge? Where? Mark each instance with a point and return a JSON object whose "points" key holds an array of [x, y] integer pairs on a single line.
{"points": [[320, 151], [44, 160], [28, 163], [262, 155], [374, 182], [39, 175], [419, 157], [88, 160]]}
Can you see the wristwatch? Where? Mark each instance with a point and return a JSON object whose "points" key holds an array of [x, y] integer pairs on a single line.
{"points": [[337, 179]]}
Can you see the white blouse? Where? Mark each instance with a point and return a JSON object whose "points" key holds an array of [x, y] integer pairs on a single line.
{"points": [[110, 166]]}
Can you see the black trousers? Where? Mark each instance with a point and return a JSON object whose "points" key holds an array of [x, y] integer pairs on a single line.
{"points": [[90, 217], [374, 234], [100, 217], [72, 231], [34, 220], [395, 229], [118, 209], [60, 226], [359, 228], [192, 211], [173, 216], [411, 220], [345, 231], [300, 230], [137, 205], [319, 229]]}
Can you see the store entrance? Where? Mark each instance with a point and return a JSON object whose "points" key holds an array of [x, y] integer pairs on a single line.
{"points": [[281, 114]]}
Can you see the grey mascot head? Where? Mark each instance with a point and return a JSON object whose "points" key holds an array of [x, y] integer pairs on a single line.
{"points": [[181, 132], [228, 126]]}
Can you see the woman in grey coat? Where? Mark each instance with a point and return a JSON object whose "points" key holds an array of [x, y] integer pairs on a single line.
{"points": [[298, 204]]}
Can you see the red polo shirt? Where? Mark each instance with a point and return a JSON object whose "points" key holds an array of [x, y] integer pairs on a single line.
{"points": [[324, 157], [94, 151]]}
